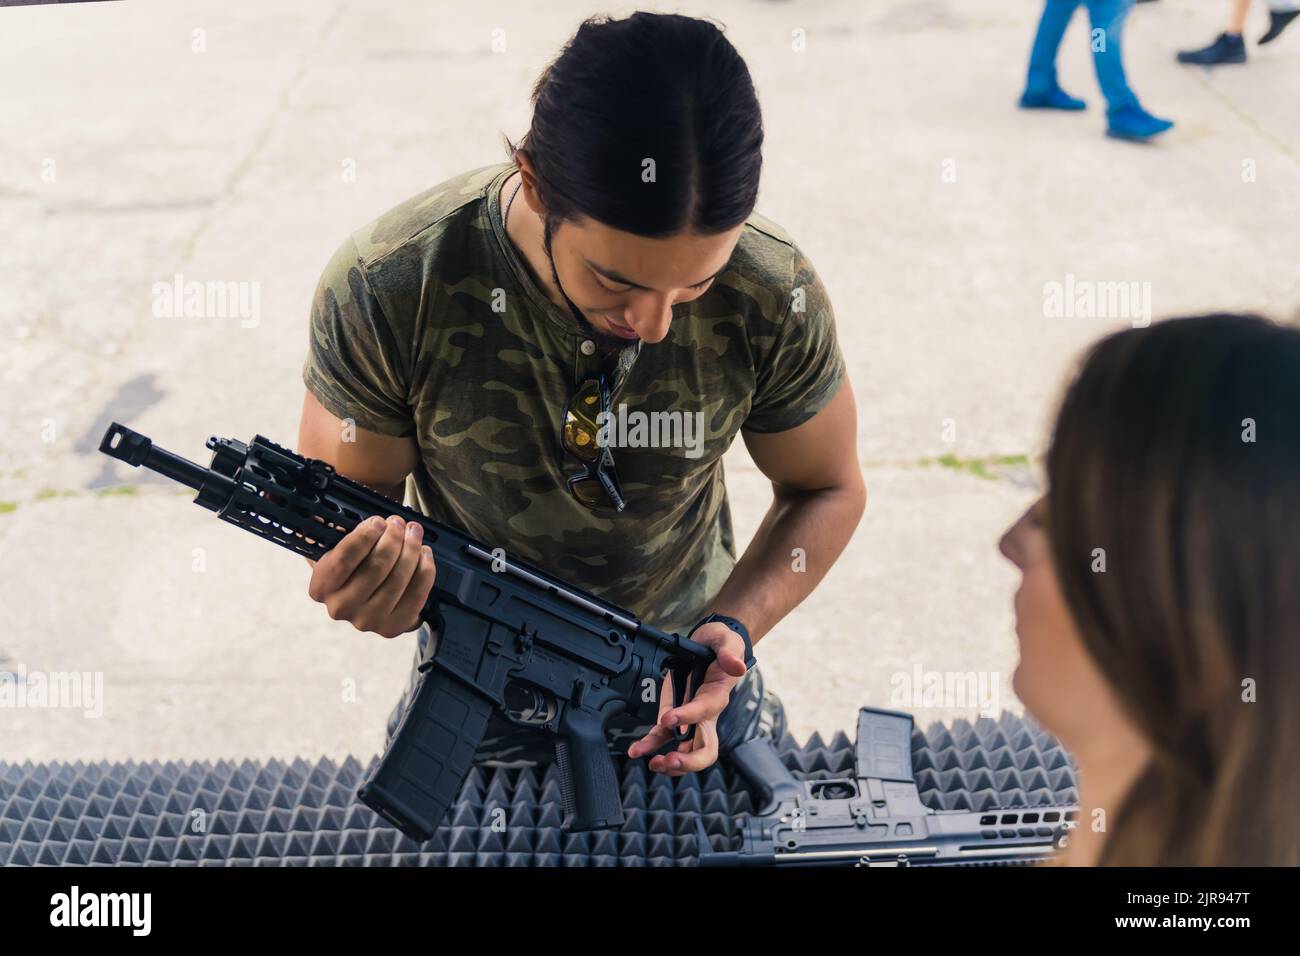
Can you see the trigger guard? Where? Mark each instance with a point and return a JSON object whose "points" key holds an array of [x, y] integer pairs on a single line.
{"points": [[681, 677]]}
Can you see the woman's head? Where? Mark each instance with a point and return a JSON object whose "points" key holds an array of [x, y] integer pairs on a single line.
{"points": [[1162, 584], [643, 161]]}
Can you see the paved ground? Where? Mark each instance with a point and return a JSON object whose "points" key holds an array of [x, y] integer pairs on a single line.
{"points": [[936, 214]]}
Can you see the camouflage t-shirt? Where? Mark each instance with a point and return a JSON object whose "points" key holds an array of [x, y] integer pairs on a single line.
{"points": [[428, 323]]}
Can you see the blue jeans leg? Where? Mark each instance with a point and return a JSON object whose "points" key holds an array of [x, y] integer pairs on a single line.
{"points": [[1042, 57], [1107, 18]]}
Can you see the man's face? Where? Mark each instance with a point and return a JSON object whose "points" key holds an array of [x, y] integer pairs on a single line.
{"points": [[626, 285]]}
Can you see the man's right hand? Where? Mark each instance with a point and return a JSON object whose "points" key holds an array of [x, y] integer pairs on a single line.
{"points": [[377, 577]]}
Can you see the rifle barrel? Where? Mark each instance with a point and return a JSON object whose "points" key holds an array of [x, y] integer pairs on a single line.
{"points": [[135, 449]]}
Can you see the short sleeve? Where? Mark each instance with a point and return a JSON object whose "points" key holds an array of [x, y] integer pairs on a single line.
{"points": [[802, 370], [353, 364]]}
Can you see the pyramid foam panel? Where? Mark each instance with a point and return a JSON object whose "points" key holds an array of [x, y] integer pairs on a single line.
{"points": [[273, 813]]}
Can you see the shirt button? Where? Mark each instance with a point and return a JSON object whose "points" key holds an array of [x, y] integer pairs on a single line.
{"points": [[588, 347]]}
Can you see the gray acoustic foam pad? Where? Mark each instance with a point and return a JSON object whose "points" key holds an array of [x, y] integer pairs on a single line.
{"points": [[305, 814]]}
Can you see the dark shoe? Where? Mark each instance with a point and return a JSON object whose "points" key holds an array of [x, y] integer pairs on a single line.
{"points": [[1278, 20], [1228, 48], [1133, 122], [1052, 99]]}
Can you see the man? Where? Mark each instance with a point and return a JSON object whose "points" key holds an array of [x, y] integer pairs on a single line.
{"points": [[491, 338]]}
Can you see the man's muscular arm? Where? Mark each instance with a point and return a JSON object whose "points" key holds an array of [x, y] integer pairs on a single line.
{"points": [[381, 462], [818, 499]]}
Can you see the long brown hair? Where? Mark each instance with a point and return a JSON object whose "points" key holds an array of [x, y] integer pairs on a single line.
{"points": [[1177, 452]]}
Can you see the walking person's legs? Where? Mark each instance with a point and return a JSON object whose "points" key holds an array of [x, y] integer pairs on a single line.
{"points": [[1107, 19], [1237, 16], [1042, 90], [1125, 117]]}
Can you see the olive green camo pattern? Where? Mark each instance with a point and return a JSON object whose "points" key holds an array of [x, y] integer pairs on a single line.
{"points": [[428, 323]]}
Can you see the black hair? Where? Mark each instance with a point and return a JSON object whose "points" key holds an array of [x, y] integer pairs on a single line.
{"points": [[651, 88]]}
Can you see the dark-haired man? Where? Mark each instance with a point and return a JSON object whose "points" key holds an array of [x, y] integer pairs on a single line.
{"points": [[472, 338]]}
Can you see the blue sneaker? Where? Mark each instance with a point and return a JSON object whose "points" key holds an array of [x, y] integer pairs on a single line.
{"points": [[1053, 98], [1133, 122]]}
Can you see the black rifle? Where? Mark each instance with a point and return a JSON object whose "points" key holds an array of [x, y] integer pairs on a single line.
{"points": [[511, 638], [875, 817]]}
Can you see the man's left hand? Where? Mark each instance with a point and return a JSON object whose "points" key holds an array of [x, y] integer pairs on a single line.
{"points": [[702, 710]]}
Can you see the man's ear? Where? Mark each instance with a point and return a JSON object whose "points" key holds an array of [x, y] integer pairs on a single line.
{"points": [[528, 181]]}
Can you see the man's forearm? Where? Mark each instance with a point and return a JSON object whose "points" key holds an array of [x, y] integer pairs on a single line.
{"points": [[802, 535]]}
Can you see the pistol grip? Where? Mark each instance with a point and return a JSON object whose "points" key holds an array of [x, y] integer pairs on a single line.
{"points": [[588, 783]]}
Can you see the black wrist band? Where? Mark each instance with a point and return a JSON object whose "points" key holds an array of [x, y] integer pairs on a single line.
{"points": [[736, 626]]}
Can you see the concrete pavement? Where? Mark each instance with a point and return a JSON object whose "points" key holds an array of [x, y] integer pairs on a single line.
{"points": [[140, 140]]}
